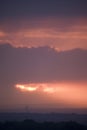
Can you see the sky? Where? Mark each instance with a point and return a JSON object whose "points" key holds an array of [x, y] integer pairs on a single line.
{"points": [[43, 54]]}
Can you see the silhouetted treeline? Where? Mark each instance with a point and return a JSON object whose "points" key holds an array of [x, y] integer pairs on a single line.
{"points": [[32, 125]]}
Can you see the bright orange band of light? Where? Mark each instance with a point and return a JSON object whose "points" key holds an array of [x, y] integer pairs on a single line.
{"points": [[70, 94]]}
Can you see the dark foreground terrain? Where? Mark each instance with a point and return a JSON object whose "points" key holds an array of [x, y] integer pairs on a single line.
{"points": [[42, 117], [32, 125]]}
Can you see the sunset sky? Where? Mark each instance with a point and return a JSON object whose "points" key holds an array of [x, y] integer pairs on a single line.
{"points": [[43, 55]]}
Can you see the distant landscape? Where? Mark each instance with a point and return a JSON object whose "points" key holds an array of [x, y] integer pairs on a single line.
{"points": [[32, 125], [44, 117]]}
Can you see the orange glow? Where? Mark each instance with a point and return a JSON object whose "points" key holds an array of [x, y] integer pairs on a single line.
{"points": [[58, 33], [73, 95], [2, 34], [28, 88], [40, 87], [49, 90], [73, 33]]}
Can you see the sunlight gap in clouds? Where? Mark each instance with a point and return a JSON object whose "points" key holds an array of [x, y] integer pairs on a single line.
{"points": [[26, 88], [73, 95]]}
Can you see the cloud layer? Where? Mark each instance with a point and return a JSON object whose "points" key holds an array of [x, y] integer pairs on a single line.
{"points": [[34, 8], [42, 64], [61, 24], [48, 32]]}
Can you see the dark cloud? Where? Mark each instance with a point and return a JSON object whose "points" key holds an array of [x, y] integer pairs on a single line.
{"points": [[40, 8], [19, 15], [42, 64]]}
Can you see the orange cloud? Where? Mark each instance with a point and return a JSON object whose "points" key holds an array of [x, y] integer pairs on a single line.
{"points": [[58, 33], [2, 34]]}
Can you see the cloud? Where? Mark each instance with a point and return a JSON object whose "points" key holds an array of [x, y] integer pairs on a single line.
{"points": [[61, 24], [63, 34], [26, 8], [2, 34], [15, 15], [42, 64]]}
